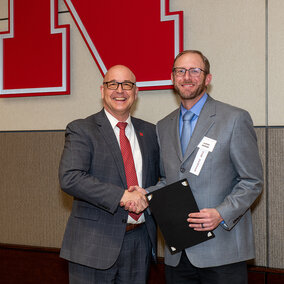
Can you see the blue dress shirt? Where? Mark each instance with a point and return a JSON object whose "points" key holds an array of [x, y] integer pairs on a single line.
{"points": [[196, 109]]}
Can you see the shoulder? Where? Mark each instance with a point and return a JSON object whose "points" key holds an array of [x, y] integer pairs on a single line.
{"points": [[228, 118], [86, 126], [225, 111], [172, 116], [225, 107], [88, 121]]}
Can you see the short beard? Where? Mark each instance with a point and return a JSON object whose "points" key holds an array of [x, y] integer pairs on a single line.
{"points": [[200, 90]]}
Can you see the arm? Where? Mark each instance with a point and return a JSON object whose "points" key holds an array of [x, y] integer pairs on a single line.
{"points": [[248, 185], [245, 158], [78, 174]]}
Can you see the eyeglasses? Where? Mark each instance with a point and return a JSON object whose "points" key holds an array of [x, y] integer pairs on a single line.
{"points": [[113, 85], [194, 72]]}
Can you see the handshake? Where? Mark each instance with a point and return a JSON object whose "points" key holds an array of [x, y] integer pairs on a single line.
{"points": [[134, 199]]}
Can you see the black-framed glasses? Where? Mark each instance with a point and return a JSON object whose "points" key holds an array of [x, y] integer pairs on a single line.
{"points": [[113, 85], [194, 72]]}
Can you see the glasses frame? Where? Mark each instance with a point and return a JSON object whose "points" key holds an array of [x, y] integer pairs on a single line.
{"points": [[119, 83], [194, 68]]}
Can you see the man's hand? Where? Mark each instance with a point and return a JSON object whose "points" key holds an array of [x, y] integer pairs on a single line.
{"points": [[138, 188], [205, 220], [130, 205], [134, 201]]}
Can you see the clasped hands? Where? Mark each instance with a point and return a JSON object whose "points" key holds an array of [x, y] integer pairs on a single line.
{"points": [[134, 199]]}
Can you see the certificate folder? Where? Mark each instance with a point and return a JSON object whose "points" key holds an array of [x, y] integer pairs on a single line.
{"points": [[170, 206]]}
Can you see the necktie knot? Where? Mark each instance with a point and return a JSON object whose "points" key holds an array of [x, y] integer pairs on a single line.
{"points": [[188, 116], [122, 125]]}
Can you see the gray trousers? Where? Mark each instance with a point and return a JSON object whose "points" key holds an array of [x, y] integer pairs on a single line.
{"points": [[132, 265]]}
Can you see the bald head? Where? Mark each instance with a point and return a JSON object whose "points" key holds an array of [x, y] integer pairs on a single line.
{"points": [[119, 73]]}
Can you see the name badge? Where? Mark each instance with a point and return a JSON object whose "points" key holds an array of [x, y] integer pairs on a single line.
{"points": [[205, 146]]}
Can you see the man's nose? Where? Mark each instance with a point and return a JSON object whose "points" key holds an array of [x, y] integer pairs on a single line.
{"points": [[187, 74], [119, 89]]}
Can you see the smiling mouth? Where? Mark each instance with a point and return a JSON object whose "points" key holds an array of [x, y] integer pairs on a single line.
{"points": [[120, 99], [188, 84]]}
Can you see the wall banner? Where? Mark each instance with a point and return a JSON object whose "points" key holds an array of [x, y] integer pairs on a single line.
{"points": [[35, 52]]}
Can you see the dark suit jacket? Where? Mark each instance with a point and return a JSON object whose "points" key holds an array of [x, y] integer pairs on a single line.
{"points": [[92, 170], [230, 179]]}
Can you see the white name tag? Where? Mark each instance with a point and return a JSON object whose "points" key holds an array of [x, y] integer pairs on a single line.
{"points": [[205, 146]]}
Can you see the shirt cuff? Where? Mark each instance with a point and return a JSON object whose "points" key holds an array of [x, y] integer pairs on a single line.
{"points": [[224, 225]]}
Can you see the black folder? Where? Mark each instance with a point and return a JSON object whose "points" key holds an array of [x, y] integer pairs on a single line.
{"points": [[170, 207]]}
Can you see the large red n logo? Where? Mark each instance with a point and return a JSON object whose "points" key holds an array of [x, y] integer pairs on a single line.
{"points": [[34, 53]]}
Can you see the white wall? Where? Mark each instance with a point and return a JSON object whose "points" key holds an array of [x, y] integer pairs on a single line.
{"points": [[232, 34]]}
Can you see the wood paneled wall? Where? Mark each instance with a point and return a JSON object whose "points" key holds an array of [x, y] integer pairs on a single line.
{"points": [[34, 210]]}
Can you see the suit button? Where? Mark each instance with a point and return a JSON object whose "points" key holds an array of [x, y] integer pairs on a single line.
{"points": [[124, 220], [182, 170]]}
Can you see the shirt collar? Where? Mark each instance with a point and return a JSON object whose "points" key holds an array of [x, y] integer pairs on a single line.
{"points": [[196, 109], [113, 121]]}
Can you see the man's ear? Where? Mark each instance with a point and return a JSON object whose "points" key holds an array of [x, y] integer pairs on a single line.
{"points": [[208, 79], [172, 77], [136, 93]]}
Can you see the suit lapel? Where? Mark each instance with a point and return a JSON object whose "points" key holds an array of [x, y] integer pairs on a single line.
{"points": [[204, 123], [107, 132], [173, 131], [143, 147]]}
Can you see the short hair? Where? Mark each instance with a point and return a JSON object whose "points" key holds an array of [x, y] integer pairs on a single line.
{"points": [[203, 57]]}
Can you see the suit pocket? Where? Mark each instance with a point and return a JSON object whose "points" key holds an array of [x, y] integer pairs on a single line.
{"points": [[85, 211]]}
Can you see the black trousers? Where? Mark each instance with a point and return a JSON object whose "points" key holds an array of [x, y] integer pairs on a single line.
{"points": [[186, 273]]}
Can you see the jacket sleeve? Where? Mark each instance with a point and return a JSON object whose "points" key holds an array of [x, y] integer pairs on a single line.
{"points": [[244, 155], [74, 171]]}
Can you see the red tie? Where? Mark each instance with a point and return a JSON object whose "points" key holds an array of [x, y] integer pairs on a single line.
{"points": [[128, 161]]}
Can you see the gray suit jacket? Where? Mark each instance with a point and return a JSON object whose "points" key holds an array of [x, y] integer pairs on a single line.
{"points": [[230, 179], [92, 170]]}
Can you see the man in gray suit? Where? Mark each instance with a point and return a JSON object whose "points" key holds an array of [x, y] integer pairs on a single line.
{"points": [[103, 242], [222, 164]]}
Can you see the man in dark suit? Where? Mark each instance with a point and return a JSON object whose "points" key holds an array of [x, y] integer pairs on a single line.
{"points": [[223, 167], [103, 242]]}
